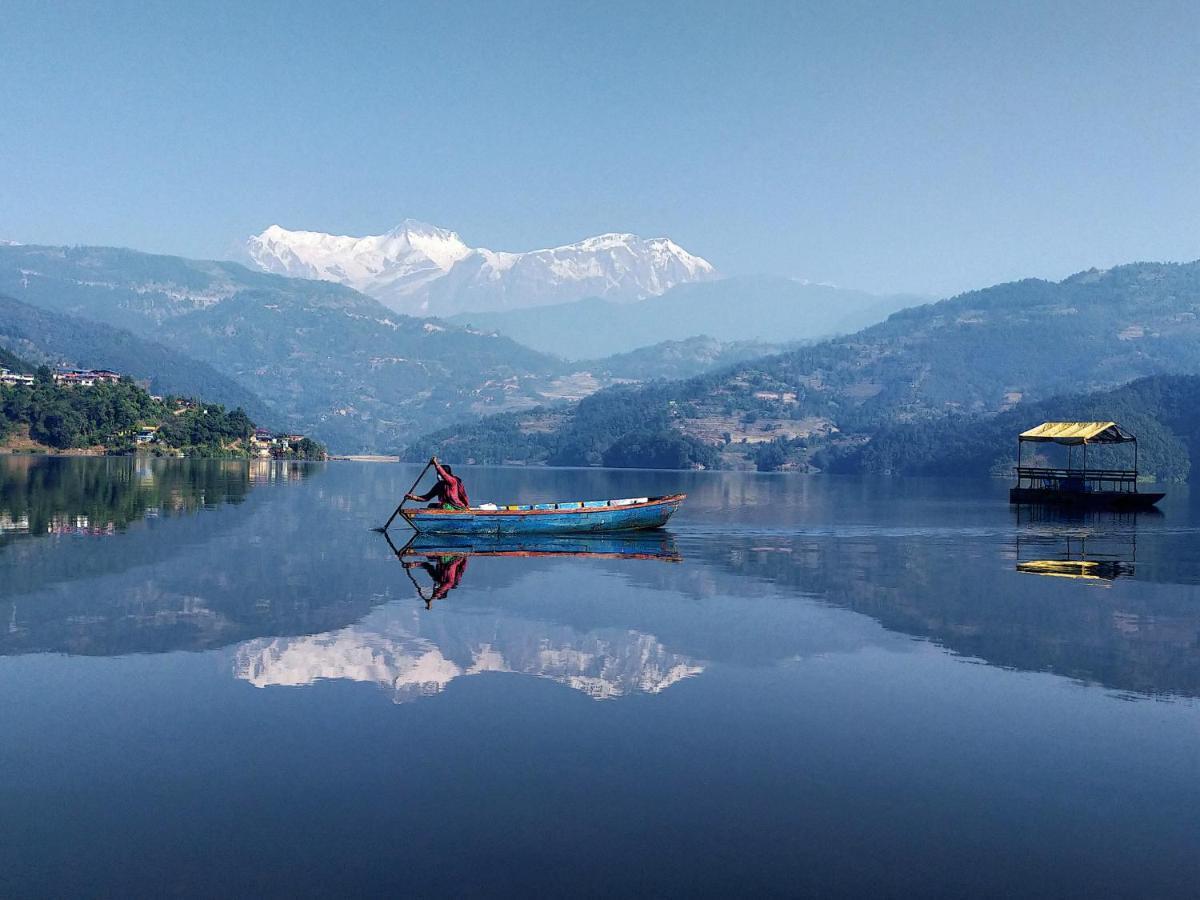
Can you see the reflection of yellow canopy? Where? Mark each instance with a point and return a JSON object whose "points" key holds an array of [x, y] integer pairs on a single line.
{"points": [[1078, 433], [1084, 569]]}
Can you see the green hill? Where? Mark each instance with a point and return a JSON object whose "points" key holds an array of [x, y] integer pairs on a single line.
{"points": [[1163, 411], [980, 353], [110, 416], [12, 362], [41, 336], [333, 362], [678, 359]]}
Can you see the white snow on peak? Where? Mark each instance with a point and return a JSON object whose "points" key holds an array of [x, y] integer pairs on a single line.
{"points": [[399, 261], [421, 268]]}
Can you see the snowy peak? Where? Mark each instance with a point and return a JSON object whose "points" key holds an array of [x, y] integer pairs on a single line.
{"points": [[663, 253], [399, 261], [421, 268]]}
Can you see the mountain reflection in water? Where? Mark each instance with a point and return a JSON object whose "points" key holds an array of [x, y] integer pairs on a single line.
{"points": [[163, 585], [414, 656], [812, 686], [297, 581]]}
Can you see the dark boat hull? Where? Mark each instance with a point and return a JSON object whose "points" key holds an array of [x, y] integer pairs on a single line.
{"points": [[1088, 499]]}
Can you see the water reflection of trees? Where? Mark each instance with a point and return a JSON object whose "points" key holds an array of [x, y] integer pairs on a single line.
{"points": [[48, 495], [1132, 635], [197, 582], [284, 568]]}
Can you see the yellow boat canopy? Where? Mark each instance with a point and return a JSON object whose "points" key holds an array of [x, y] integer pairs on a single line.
{"points": [[1078, 433]]}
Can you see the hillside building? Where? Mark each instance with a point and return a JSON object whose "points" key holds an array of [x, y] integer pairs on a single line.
{"points": [[86, 377], [11, 378]]}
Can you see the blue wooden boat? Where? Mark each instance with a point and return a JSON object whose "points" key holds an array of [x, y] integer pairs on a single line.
{"points": [[568, 517]]}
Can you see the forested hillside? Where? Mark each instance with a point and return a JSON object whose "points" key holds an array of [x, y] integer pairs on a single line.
{"points": [[679, 359], [328, 360], [332, 361], [109, 418], [980, 353], [41, 336], [12, 362], [1163, 411]]}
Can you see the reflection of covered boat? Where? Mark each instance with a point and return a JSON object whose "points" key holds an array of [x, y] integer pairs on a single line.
{"points": [[575, 517], [1078, 553], [1079, 485], [1105, 570]]}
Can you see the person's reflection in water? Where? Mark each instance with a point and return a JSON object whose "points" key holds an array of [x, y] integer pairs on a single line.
{"points": [[446, 572]]}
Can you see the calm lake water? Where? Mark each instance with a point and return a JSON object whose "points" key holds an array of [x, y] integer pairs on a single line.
{"points": [[216, 679]]}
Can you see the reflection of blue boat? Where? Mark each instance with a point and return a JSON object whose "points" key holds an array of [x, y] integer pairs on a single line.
{"points": [[575, 517], [443, 558], [630, 546]]}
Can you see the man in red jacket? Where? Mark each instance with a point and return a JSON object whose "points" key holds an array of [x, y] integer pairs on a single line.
{"points": [[449, 491]]}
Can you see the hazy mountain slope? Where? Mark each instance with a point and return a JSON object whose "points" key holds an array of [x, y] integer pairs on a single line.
{"points": [[42, 336], [11, 361], [678, 359], [733, 309], [981, 352], [336, 363], [421, 269], [1162, 410]]}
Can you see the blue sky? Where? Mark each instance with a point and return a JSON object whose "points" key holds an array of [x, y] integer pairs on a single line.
{"points": [[925, 147]]}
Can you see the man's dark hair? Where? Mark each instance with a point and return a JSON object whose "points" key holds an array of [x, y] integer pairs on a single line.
{"points": [[449, 471]]}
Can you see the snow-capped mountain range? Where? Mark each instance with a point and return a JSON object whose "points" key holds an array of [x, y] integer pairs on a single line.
{"points": [[421, 269]]}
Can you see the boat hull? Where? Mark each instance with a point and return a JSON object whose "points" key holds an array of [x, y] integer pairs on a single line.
{"points": [[594, 520], [1089, 499]]}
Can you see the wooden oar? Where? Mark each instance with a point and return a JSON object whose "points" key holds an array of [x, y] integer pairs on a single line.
{"points": [[405, 500], [400, 556]]}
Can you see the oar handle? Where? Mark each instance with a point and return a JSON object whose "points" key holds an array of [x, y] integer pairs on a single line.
{"points": [[404, 499]]}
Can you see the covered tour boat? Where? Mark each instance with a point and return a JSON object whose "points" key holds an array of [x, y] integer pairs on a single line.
{"points": [[567, 517], [1076, 484]]}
